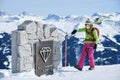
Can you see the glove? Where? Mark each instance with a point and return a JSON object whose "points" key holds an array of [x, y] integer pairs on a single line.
{"points": [[95, 46], [74, 31]]}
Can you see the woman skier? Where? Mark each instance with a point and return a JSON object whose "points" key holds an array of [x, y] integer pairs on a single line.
{"points": [[90, 44]]}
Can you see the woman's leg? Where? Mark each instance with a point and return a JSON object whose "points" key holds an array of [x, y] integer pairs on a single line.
{"points": [[91, 57], [82, 57]]}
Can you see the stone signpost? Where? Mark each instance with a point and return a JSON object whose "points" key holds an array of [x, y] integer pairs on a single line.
{"points": [[44, 58], [36, 45]]}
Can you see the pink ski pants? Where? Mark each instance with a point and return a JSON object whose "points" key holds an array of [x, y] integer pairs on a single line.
{"points": [[87, 49]]}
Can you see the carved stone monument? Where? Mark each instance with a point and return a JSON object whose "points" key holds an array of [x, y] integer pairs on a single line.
{"points": [[48, 48], [44, 58]]}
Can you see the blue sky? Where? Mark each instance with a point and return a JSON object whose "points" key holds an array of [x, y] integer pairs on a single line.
{"points": [[60, 7]]}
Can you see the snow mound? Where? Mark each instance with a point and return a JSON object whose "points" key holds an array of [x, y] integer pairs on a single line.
{"points": [[109, 72]]}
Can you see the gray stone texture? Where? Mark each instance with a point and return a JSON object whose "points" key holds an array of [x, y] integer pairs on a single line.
{"points": [[23, 40], [14, 51], [46, 32]]}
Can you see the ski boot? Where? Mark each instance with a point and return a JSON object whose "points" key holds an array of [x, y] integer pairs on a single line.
{"points": [[91, 68], [80, 69]]}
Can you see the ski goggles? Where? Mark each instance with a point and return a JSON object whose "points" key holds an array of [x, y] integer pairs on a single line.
{"points": [[87, 25]]}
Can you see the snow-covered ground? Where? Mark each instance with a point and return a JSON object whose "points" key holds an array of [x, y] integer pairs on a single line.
{"points": [[109, 72]]}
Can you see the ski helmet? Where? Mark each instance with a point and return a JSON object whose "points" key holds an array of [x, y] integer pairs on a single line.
{"points": [[88, 21]]}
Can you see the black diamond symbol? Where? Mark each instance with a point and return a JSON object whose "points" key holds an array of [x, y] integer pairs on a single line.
{"points": [[45, 53]]}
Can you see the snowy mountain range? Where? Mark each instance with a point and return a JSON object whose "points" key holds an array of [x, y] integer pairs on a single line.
{"points": [[107, 53]]}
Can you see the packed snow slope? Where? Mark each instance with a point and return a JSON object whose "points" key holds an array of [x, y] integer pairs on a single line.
{"points": [[109, 72], [107, 53]]}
